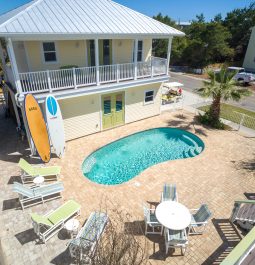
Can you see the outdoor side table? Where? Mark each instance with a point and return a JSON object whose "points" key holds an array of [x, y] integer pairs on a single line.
{"points": [[72, 227], [38, 181], [173, 215]]}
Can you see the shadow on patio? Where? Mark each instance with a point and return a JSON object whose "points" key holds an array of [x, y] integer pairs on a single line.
{"points": [[230, 237]]}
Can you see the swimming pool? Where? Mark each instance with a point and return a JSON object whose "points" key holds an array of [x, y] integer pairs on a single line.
{"points": [[125, 158]]}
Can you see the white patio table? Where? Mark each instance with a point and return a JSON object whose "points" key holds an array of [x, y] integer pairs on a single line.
{"points": [[173, 215]]}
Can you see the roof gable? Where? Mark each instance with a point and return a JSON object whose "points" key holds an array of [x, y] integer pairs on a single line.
{"points": [[86, 17]]}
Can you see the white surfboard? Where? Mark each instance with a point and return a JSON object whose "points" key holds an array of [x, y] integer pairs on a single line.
{"points": [[55, 125]]}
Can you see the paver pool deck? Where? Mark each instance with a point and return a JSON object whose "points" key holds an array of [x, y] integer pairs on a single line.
{"points": [[218, 177]]}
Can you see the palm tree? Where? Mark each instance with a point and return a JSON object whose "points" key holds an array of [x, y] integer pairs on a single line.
{"points": [[221, 86]]}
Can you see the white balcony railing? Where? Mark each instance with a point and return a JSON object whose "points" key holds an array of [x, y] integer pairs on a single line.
{"points": [[74, 78]]}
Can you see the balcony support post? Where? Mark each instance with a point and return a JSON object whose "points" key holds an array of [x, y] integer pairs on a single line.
{"points": [[14, 65], [74, 78], [3, 61], [135, 58], [169, 53], [97, 62], [49, 82], [118, 73]]}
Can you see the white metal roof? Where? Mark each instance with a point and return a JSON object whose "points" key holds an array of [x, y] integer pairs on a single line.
{"points": [[80, 18]]}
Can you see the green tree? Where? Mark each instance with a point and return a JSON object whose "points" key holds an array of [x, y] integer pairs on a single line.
{"points": [[221, 86], [239, 23], [178, 44]]}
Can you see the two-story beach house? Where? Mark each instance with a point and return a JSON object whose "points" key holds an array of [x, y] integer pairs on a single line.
{"points": [[94, 56]]}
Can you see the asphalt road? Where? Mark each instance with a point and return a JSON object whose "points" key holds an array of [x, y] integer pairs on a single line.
{"points": [[191, 84]]}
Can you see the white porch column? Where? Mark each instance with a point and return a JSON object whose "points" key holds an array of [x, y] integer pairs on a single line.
{"points": [[14, 65], [169, 53], [97, 61], [3, 61], [135, 58]]}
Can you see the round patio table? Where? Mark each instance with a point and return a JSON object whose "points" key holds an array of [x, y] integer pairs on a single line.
{"points": [[173, 215]]}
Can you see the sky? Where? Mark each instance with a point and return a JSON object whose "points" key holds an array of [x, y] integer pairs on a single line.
{"points": [[183, 10]]}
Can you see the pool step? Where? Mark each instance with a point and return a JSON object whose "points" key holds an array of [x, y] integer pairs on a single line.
{"points": [[192, 152]]}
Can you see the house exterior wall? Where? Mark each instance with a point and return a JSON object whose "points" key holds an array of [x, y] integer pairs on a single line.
{"points": [[249, 60], [68, 53], [29, 54], [21, 57], [135, 107], [123, 50], [81, 115]]}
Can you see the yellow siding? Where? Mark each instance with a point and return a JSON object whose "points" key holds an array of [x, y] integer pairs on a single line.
{"points": [[20, 55], [147, 49], [249, 60], [136, 109], [123, 50], [81, 116], [68, 53]]}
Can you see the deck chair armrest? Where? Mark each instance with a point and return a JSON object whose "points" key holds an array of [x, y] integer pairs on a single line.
{"points": [[154, 223], [193, 210], [48, 213], [199, 223]]}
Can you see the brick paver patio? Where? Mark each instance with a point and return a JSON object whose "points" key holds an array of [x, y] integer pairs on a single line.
{"points": [[217, 177]]}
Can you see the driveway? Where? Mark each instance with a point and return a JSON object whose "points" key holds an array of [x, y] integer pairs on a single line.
{"points": [[192, 83]]}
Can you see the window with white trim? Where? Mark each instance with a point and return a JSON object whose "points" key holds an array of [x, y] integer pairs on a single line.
{"points": [[49, 52], [149, 97], [139, 51]]}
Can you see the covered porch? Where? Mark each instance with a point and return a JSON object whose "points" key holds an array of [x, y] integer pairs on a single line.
{"points": [[75, 64]]}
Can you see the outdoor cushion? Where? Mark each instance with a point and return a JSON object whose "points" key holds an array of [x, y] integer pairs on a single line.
{"points": [[177, 236], [39, 219], [202, 215], [169, 192], [35, 171], [25, 191], [25, 166], [64, 211], [49, 189]]}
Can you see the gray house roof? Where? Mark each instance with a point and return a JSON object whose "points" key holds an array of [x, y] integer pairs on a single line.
{"points": [[80, 18]]}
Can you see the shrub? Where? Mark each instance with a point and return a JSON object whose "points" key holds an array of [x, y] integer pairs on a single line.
{"points": [[206, 119]]}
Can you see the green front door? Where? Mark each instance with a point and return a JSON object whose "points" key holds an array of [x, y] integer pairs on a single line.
{"points": [[113, 110]]}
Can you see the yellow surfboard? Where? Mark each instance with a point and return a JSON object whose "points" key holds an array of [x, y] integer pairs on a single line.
{"points": [[37, 127]]}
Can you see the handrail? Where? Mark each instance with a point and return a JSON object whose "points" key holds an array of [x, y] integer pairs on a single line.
{"points": [[242, 250], [73, 78]]}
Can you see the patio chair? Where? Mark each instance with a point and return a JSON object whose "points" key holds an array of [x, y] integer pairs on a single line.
{"points": [[169, 193], [45, 226], [29, 172], [151, 221], [84, 245], [176, 239], [199, 219], [29, 196]]}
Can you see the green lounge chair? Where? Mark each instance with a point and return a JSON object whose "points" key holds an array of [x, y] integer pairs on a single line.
{"points": [[51, 223], [169, 193], [29, 172], [29, 196], [199, 219], [84, 245]]}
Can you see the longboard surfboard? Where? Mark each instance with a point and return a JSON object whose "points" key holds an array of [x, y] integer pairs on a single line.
{"points": [[37, 128], [55, 125]]}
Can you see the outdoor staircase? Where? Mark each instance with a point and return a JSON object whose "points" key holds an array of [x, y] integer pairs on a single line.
{"points": [[244, 213]]}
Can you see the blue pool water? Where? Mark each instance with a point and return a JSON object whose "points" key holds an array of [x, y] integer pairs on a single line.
{"points": [[124, 159]]}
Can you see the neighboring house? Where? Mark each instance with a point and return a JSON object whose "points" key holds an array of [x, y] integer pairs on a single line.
{"points": [[249, 60], [94, 56]]}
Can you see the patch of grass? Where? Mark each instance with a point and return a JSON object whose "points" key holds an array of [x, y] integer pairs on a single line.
{"points": [[234, 114]]}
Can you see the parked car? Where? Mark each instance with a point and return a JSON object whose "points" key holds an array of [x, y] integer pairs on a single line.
{"points": [[241, 75]]}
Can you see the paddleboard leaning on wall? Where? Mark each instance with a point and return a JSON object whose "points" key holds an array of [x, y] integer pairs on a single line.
{"points": [[37, 127], [55, 125]]}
